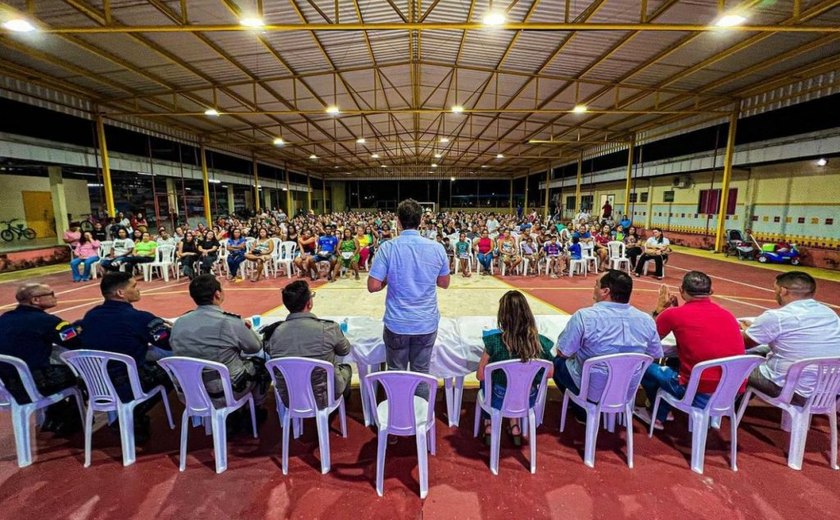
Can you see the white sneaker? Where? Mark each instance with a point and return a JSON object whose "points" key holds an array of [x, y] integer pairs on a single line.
{"points": [[643, 415]]}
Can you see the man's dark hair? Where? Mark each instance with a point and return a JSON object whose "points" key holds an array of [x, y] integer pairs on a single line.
{"points": [[409, 212], [113, 282], [203, 287], [619, 283], [797, 282], [296, 295], [696, 283]]}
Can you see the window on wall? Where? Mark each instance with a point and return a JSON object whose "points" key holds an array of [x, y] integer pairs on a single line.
{"points": [[586, 202], [570, 202], [667, 196], [643, 197], [709, 201]]}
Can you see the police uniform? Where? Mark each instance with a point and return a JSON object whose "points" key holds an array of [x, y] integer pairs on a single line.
{"points": [[116, 326], [29, 333], [305, 335], [211, 334]]}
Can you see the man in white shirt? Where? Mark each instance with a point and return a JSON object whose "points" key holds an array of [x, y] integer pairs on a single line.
{"points": [[802, 328], [492, 224]]}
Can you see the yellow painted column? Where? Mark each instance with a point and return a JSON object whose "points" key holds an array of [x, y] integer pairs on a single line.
{"points": [[547, 181], [649, 212], [525, 209], [727, 177], [577, 184], [106, 168], [256, 186], [289, 209], [205, 182], [308, 193], [510, 203], [629, 178]]}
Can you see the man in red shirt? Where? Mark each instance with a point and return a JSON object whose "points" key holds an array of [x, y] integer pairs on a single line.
{"points": [[704, 331]]}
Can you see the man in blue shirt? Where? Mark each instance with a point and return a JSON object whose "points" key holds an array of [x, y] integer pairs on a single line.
{"points": [[327, 244], [611, 326], [411, 267], [625, 222]]}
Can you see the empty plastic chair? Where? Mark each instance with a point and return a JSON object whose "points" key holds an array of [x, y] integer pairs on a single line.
{"points": [[516, 405], [297, 375], [187, 375], [21, 413], [734, 371], [624, 372], [403, 413], [92, 367], [617, 256], [164, 260], [826, 375]]}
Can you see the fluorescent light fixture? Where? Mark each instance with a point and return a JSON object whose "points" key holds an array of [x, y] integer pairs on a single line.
{"points": [[94, 185], [434, 165], [285, 189], [484, 166], [144, 173], [457, 109], [374, 156], [211, 112], [822, 161], [444, 139], [333, 110], [499, 156], [360, 140], [188, 189], [19, 25], [452, 179], [730, 20], [224, 185], [383, 165], [259, 186], [278, 141], [494, 18], [438, 155], [579, 109], [214, 181], [313, 156], [254, 22]]}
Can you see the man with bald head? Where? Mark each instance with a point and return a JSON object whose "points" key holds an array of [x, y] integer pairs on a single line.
{"points": [[802, 328], [29, 333]]}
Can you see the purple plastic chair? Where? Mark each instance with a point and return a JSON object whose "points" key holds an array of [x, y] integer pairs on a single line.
{"points": [[297, 374], [734, 371], [21, 413], [826, 377], [405, 414], [516, 404], [187, 375], [92, 367], [624, 372]]}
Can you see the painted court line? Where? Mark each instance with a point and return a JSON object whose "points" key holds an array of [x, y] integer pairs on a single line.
{"points": [[99, 299]]}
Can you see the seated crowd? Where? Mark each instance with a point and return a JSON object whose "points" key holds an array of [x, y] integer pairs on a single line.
{"points": [[348, 241]]}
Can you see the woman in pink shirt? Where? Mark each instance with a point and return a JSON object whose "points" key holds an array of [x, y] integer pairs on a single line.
{"points": [[484, 251], [86, 252]]}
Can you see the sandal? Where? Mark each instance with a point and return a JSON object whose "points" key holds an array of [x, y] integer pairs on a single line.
{"points": [[515, 437]]}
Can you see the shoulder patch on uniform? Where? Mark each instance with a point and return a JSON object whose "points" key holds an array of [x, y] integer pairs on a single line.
{"points": [[66, 331], [232, 314]]}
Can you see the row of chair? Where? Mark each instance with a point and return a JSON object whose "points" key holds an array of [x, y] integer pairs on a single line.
{"points": [[404, 413]]}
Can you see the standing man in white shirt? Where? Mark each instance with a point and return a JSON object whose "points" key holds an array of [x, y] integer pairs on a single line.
{"points": [[802, 328], [492, 224]]}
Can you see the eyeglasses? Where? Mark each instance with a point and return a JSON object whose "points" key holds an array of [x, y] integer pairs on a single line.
{"points": [[51, 293]]}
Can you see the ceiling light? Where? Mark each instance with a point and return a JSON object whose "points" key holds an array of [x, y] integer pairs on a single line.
{"points": [[19, 25], [278, 141], [484, 166], [251, 21], [434, 165], [360, 140], [333, 110], [285, 189], [457, 109], [211, 112], [224, 185], [214, 181], [494, 18], [452, 179], [374, 156], [444, 139], [438, 155], [579, 109], [730, 20], [313, 156], [499, 156], [821, 161], [383, 165]]}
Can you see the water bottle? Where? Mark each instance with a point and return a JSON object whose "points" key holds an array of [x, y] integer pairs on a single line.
{"points": [[343, 326]]}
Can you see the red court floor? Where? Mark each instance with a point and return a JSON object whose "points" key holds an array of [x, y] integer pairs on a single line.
{"points": [[461, 486]]}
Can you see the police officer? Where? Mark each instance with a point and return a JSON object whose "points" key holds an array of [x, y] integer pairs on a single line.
{"points": [[304, 335], [27, 332], [116, 326], [211, 334]]}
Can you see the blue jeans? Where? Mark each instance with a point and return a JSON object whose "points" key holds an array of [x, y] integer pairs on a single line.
{"points": [[74, 267], [106, 263], [498, 397], [234, 261], [563, 379], [666, 378], [485, 259]]}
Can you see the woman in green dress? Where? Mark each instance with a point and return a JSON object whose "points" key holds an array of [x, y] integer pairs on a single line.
{"points": [[348, 251]]}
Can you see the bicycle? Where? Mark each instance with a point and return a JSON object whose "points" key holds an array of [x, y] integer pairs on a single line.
{"points": [[21, 230]]}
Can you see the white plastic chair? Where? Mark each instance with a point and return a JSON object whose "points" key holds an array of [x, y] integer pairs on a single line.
{"points": [[284, 254], [734, 371], [164, 261], [823, 400], [587, 254], [297, 376], [649, 262], [516, 404], [405, 414], [187, 375], [92, 367], [617, 256], [624, 373], [581, 266], [21, 413]]}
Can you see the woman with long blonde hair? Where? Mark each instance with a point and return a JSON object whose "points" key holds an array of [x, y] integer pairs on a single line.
{"points": [[517, 337]]}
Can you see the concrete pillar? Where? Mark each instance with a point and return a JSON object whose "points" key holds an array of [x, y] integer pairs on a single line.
{"points": [[59, 201], [230, 203], [266, 199], [172, 196], [649, 211], [205, 183], [720, 238]]}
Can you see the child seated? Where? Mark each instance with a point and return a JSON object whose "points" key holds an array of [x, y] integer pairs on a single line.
{"points": [[529, 253], [462, 253], [556, 262]]}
